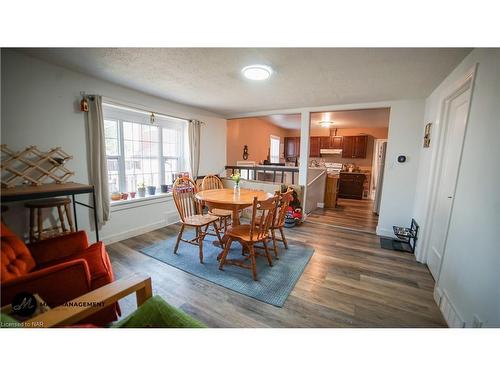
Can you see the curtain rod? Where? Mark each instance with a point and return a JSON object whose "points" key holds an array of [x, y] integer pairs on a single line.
{"points": [[137, 107]]}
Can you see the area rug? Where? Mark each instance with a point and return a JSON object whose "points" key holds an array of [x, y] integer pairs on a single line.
{"points": [[274, 283]]}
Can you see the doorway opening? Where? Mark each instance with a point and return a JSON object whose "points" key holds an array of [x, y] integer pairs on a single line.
{"points": [[351, 145]]}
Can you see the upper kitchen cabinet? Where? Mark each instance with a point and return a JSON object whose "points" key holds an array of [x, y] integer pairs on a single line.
{"points": [[315, 146], [354, 147], [324, 143], [292, 147], [335, 142]]}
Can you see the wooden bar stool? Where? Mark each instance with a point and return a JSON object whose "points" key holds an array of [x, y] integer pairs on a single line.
{"points": [[62, 205]]}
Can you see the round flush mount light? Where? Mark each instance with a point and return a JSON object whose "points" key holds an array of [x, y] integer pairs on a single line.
{"points": [[257, 72]]}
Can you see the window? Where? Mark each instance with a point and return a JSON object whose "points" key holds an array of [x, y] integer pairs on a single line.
{"points": [[274, 153], [139, 151]]}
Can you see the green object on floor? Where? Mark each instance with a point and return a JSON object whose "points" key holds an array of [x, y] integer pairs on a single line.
{"points": [[156, 313], [6, 321]]}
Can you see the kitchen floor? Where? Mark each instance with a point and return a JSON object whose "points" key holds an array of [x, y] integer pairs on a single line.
{"points": [[349, 213]]}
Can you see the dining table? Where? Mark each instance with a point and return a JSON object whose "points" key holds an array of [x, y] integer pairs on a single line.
{"points": [[231, 199]]}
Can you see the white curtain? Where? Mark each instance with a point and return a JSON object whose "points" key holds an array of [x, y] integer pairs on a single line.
{"points": [[194, 138], [97, 158]]}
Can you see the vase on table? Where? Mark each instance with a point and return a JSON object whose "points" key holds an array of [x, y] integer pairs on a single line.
{"points": [[236, 188]]}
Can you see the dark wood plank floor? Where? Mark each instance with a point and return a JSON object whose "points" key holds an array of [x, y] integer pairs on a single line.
{"points": [[349, 213], [349, 282]]}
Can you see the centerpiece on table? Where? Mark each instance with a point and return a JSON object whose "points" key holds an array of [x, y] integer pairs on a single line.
{"points": [[236, 178]]}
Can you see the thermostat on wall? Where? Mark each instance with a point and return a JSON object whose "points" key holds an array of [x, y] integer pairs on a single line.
{"points": [[401, 158]]}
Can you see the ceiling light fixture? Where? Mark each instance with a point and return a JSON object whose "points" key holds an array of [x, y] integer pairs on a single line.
{"points": [[326, 123], [257, 72]]}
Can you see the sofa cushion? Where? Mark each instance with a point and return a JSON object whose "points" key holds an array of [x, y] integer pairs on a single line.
{"points": [[16, 260], [97, 260]]}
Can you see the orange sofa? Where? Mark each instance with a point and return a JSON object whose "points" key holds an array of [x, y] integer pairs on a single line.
{"points": [[57, 269]]}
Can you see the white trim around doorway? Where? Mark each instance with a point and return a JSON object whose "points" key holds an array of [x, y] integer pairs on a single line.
{"points": [[460, 86]]}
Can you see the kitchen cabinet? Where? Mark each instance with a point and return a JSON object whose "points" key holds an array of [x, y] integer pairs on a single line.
{"points": [[324, 143], [351, 185], [354, 147], [336, 142], [314, 147], [292, 147]]}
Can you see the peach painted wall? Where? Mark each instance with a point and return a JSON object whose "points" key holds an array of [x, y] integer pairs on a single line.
{"points": [[253, 132]]}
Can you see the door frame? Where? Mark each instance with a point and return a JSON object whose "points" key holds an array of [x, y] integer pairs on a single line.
{"points": [[376, 145], [466, 83]]}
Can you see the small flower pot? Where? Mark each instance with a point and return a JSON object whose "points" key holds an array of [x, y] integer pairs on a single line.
{"points": [[132, 194], [141, 192], [164, 188], [124, 196], [151, 190], [116, 196]]}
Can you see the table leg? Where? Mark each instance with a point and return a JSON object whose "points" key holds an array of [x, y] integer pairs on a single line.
{"points": [[236, 217], [74, 211]]}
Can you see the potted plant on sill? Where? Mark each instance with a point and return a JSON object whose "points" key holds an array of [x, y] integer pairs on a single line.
{"points": [[141, 190], [151, 190]]}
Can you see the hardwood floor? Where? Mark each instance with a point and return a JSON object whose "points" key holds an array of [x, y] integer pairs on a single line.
{"points": [[349, 282], [349, 213]]}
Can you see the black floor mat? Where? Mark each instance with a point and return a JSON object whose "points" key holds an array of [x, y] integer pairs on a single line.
{"points": [[392, 244]]}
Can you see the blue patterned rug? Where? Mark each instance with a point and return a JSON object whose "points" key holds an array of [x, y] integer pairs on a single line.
{"points": [[274, 283]]}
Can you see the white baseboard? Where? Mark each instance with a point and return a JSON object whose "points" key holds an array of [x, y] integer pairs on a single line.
{"points": [[134, 232], [450, 313]]}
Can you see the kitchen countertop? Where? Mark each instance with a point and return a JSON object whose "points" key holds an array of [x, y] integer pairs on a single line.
{"points": [[367, 172]]}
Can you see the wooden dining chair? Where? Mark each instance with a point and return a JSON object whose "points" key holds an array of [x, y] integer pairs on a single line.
{"points": [[190, 211], [263, 214], [212, 182], [279, 221], [284, 200]]}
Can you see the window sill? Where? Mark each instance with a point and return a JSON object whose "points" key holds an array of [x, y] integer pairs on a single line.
{"points": [[140, 201]]}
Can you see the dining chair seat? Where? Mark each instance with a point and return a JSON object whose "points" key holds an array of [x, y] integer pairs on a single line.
{"points": [[220, 212], [200, 219]]}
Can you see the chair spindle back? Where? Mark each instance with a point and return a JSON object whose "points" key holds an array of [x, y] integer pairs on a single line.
{"points": [[261, 224], [284, 202], [211, 182], [184, 191]]}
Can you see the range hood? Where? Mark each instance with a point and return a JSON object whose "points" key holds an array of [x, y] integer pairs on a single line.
{"points": [[331, 151]]}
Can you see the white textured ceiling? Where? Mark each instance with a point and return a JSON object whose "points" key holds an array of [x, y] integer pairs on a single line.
{"points": [[362, 118], [210, 78]]}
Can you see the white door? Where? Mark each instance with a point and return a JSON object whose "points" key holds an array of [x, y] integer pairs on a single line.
{"points": [[456, 111]]}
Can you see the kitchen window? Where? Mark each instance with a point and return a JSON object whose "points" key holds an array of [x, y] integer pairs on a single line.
{"points": [[274, 152], [142, 148]]}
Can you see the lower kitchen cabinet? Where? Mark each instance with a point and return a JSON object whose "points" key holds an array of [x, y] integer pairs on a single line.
{"points": [[351, 185]]}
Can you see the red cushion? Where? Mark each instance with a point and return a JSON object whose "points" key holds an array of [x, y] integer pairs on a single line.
{"points": [[16, 260], [98, 262]]}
